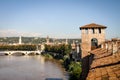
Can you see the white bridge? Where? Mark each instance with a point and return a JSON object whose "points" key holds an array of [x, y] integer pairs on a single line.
{"points": [[24, 52]]}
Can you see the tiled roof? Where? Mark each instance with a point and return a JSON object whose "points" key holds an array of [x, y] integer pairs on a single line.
{"points": [[113, 59], [105, 67], [105, 73], [92, 25], [100, 53]]}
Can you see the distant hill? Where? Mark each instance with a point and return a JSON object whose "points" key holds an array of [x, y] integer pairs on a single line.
{"points": [[34, 40]]}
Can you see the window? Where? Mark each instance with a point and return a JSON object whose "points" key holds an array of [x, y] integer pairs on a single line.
{"points": [[93, 31], [94, 42], [86, 31], [99, 30]]}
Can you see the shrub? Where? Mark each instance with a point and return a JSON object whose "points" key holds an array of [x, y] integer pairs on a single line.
{"points": [[48, 56], [75, 70]]}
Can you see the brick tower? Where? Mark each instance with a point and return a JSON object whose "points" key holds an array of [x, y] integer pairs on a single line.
{"points": [[92, 36]]}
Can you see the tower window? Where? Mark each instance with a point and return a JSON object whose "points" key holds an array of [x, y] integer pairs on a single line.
{"points": [[93, 30], [99, 30], [86, 31]]}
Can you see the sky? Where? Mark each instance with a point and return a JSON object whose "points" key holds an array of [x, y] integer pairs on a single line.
{"points": [[57, 18]]}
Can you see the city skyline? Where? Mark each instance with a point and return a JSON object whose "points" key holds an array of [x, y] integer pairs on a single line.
{"points": [[57, 18]]}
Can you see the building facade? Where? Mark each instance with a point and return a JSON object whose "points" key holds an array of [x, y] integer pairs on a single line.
{"points": [[92, 36]]}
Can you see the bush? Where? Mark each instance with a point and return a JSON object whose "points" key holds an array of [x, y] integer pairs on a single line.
{"points": [[61, 49], [48, 56], [75, 70], [65, 57], [61, 61]]}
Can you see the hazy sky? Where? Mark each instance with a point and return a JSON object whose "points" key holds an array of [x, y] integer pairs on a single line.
{"points": [[57, 18]]}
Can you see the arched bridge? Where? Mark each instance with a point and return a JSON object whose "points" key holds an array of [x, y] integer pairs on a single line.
{"points": [[24, 52]]}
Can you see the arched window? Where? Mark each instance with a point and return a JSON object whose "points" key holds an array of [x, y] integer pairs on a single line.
{"points": [[94, 43]]}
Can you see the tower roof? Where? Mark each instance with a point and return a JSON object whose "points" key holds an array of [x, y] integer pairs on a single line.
{"points": [[92, 25]]}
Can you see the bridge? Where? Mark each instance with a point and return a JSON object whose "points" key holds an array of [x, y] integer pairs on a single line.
{"points": [[24, 52]]}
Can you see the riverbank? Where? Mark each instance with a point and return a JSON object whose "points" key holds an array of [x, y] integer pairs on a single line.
{"points": [[60, 62], [71, 67]]}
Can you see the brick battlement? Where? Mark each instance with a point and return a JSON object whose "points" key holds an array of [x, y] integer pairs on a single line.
{"points": [[105, 63]]}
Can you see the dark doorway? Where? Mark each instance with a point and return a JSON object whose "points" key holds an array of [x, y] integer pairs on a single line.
{"points": [[94, 43]]}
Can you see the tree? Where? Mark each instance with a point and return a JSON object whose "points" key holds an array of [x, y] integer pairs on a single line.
{"points": [[75, 70]]}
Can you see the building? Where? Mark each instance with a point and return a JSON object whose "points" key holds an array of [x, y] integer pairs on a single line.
{"points": [[20, 40], [100, 58], [73, 45], [92, 36]]}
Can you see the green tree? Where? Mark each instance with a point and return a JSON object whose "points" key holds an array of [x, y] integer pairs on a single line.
{"points": [[75, 70]]}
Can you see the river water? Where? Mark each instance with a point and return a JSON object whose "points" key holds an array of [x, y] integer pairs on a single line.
{"points": [[30, 68]]}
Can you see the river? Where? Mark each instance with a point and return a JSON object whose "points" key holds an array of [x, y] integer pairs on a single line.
{"points": [[30, 68]]}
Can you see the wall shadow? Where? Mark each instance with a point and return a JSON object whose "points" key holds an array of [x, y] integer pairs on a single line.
{"points": [[86, 62]]}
